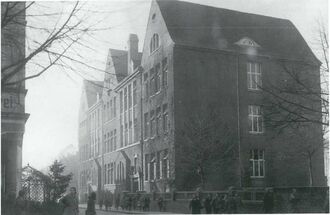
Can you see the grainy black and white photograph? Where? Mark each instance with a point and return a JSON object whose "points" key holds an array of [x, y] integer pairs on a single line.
{"points": [[164, 107]]}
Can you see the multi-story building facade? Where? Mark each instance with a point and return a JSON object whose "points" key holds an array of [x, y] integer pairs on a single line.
{"points": [[196, 57], [13, 92]]}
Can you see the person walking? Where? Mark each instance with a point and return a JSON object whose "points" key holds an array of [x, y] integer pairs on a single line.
{"points": [[231, 202], [195, 205], [293, 201], [70, 202], [91, 204], [268, 201], [216, 204], [207, 204], [160, 202]]}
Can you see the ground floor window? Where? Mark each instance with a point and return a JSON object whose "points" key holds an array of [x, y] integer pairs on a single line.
{"points": [[257, 163]]}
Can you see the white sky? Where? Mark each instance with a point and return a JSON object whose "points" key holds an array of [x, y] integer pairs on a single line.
{"points": [[53, 99]]}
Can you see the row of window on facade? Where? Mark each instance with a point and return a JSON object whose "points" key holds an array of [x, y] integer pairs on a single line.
{"points": [[157, 166], [155, 79], [114, 174], [88, 176], [109, 109], [128, 115], [156, 121], [110, 141]]}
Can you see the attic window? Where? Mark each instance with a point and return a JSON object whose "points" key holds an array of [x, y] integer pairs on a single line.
{"points": [[154, 43], [153, 16], [245, 41]]}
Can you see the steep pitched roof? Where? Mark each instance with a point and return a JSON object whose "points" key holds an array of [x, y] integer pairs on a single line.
{"points": [[209, 27], [93, 88], [119, 58]]}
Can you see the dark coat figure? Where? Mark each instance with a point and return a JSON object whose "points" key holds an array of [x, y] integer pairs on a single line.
{"points": [[195, 205], [107, 201], [268, 201], [70, 202], [293, 201], [326, 203], [91, 204], [160, 203], [101, 204], [208, 204], [231, 203], [146, 203], [217, 204]]}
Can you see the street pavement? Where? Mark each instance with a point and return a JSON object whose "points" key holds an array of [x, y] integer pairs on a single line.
{"points": [[82, 209]]}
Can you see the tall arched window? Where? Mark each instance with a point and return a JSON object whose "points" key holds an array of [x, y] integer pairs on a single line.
{"points": [[154, 43]]}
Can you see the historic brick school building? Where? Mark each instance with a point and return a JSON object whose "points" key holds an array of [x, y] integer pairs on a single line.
{"points": [[195, 59]]}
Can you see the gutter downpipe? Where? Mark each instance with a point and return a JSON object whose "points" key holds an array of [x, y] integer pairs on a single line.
{"points": [[238, 120]]}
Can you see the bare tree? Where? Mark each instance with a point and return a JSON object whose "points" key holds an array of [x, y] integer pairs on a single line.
{"points": [[302, 95], [208, 146], [57, 35], [297, 102]]}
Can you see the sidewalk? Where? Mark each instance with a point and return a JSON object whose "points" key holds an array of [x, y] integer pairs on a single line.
{"points": [[113, 210]]}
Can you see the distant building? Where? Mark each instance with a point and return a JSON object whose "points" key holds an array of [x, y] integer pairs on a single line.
{"points": [[13, 116], [195, 57]]}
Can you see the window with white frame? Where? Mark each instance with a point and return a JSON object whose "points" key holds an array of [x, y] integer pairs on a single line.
{"points": [[164, 66], [152, 123], [146, 126], [157, 80], [154, 43], [165, 118], [254, 76], [257, 163], [255, 119], [158, 120], [146, 167], [165, 165]]}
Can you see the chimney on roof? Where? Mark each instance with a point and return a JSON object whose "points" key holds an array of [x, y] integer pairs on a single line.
{"points": [[132, 53]]}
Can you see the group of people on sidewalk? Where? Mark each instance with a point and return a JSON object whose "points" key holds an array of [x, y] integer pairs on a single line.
{"points": [[228, 203]]}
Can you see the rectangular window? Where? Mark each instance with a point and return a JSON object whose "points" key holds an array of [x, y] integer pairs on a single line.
{"points": [[121, 135], [158, 120], [257, 163], [158, 166], [130, 133], [152, 82], [254, 76], [135, 130], [165, 118], [125, 98], [130, 96], [114, 107], [152, 167], [121, 101], [157, 78], [152, 123], [111, 110], [126, 134], [146, 126], [146, 167], [146, 86], [164, 64], [115, 139], [255, 119], [134, 93], [108, 175]]}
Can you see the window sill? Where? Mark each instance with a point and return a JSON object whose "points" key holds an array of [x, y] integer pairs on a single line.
{"points": [[256, 133], [257, 177], [254, 90]]}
